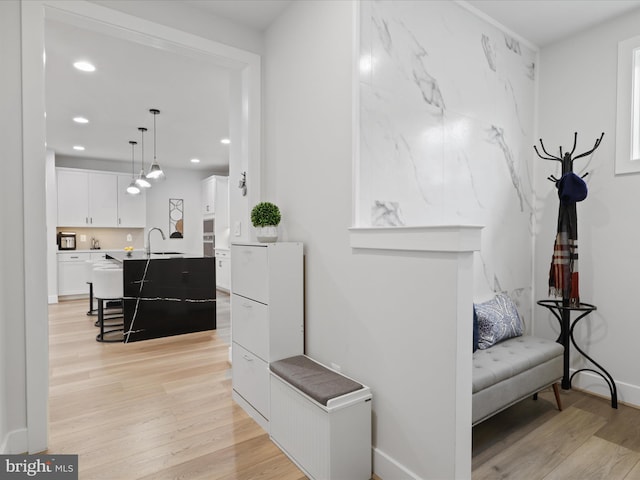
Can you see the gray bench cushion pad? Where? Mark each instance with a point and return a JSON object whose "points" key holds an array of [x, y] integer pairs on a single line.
{"points": [[310, 377], [510, 358]]}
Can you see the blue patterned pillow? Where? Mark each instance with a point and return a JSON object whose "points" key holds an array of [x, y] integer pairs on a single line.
{"points": [[475, 330], [498, 320]]}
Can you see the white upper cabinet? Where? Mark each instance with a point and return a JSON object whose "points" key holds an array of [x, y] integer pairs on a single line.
{"points": [[132, 209], [221, 206], [103, 203], [73, 198], [208, 196], [97, 199]]}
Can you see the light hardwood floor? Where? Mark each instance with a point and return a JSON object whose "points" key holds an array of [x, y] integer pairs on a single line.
{"points": [[158, 409], [162, 409], [532, 440]]}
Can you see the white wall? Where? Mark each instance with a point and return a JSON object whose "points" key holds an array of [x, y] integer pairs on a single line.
{"points": [[578, 94], [52, 223], [384, 318], [446, 128], [182, 184], [381, 317], [13, 412]]}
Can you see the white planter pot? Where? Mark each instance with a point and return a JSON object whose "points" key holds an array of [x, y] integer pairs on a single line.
{"points": [[267, 234]]}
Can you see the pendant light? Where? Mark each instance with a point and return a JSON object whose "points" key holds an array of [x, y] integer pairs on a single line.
{"points": [[141, 181], [155, 172], [133, 189]]}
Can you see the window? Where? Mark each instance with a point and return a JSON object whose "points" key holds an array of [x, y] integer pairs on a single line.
{"points": [[628, 112]]}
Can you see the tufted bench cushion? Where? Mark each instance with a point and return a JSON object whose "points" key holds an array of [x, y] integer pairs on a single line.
{"points": [[512, 370]]}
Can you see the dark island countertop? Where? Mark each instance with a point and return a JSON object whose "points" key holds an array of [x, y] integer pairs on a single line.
{"points": [[140, 255], [166, 294]]}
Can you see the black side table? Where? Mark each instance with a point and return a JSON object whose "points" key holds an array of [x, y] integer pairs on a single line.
{"points": [[563, 314]]}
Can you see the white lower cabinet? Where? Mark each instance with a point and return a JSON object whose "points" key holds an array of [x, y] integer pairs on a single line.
{"points": [[72, 273], [266, 318], [223, 269]]}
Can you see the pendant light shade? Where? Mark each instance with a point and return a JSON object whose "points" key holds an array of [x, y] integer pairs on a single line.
{"points": [[141, 181], [133, 189], [155, 172]]}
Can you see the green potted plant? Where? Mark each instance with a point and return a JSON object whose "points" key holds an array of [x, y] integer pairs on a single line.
{"points": [[265, 217]]}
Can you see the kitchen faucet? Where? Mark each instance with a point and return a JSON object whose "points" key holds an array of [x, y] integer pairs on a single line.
{"points": [[149, 239]]}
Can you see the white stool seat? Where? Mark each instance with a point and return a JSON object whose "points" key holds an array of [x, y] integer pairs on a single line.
{"points": [[107, 283]]}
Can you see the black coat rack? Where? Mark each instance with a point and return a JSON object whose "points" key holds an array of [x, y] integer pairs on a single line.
{"points": [[563, 275]]}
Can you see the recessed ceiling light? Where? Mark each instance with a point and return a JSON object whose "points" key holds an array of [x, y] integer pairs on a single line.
{"points": [[80, 120], [195, 160], [225, 141], [78, 147], [84, 66]]}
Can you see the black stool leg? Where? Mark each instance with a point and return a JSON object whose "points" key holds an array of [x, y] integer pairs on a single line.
{"points": [[100, 337], [101, 319], [91, 312]]}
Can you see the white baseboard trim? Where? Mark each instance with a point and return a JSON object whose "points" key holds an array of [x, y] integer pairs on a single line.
{"points": [[590, 382], [252, 412], [53, 299], [14, 442], [389, 469]]}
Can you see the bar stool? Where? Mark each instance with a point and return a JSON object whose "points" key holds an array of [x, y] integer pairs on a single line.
{"points": [[107, 286], [89, 266]]}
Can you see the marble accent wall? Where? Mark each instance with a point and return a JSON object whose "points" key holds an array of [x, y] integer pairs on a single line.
{"points": [[446, 132]]}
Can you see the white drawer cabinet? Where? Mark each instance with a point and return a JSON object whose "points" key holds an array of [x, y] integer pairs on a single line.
{"points": [[72, 273], [250, 272], [250, 325], [266, 317], [251, 379]]}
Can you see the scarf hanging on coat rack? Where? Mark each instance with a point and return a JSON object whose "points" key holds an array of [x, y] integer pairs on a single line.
{"points": [[563, 274]]}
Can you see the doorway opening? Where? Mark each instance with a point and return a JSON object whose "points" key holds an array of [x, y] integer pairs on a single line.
{"points": [[244, 156]]}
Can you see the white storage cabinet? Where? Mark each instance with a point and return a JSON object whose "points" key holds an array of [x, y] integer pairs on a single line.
{"points": [[97, 199], [223, 269], [326, 442], [86, 199], [132, 209], [72, 274], [266, 318], [208, 196]]}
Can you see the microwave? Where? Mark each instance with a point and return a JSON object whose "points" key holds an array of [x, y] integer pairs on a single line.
{"points": [[66, 241]]}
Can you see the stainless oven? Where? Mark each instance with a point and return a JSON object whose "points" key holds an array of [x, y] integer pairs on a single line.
{"points": [[208, 238]]}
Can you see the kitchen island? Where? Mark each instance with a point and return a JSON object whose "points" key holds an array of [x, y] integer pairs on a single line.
{"points": [[166, 294]]}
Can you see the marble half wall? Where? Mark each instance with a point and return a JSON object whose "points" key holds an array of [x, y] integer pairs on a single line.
{"points": [[446, 132]]}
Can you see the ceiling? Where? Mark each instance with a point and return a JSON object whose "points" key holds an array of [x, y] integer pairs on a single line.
{"points": [[192, 94], [131, 78], [256, 14], [543, 22]]}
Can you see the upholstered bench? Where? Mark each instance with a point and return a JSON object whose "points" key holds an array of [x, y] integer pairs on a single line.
{"points": [[320, 419], [512, 370]]}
